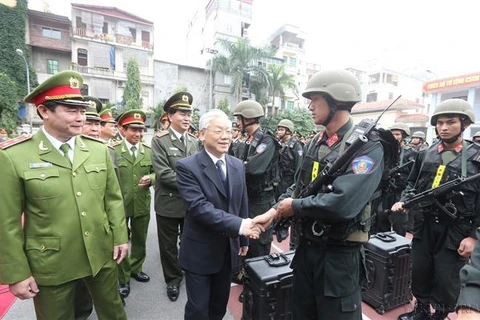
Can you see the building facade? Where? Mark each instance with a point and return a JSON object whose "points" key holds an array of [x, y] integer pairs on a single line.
{"points": [[98, 42], [465, 87]]}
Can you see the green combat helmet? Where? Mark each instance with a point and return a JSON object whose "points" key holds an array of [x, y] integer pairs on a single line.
{"points": [[419, 134], [287, 124], [454, 106], [341, 85], [249, 109], [401, 127]]}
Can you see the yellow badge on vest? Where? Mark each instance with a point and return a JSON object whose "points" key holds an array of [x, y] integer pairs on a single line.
{"points": [[315, 169], [438, 176]]}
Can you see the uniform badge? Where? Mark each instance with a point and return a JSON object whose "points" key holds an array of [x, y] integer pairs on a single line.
{"points": [[261, 147], [42, 147], [39, 165], [362, 165], [300, 152]]}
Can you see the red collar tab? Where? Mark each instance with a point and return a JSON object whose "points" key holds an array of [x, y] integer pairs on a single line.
{"points": [[330, 141], [457, 149]]}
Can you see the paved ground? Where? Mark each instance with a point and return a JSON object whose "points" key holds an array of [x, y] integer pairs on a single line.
{"points": [[147, 301]]}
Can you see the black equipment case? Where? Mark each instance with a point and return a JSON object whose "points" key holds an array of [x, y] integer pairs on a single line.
{"points": [[389, 268], [267, 287]]}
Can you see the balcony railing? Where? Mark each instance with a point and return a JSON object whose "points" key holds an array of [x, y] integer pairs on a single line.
{"points": [[114, 38], [112, 74]]}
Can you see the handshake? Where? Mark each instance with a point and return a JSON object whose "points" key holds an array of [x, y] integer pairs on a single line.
{"points": [[252, 228]]}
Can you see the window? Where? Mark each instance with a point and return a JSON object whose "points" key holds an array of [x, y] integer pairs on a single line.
{"points": [[52, 33], [133, 31], [375, 78], [292, 61], [390, 95], [52, 66], [82, 57], [392, 79], [289, 105], [372, 97], [105, 28]]}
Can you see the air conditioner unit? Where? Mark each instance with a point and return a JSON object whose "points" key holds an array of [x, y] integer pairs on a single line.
{"points": [[121, 84]]}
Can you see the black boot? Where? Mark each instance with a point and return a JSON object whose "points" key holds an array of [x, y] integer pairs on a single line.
{"points": [[439, 315], [420, 312]]}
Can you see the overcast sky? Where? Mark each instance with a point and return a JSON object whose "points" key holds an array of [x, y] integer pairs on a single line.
{"points": [[402, 35]]}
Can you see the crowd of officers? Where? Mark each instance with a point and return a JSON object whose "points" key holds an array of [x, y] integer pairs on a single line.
{"points": [[58, 169]]}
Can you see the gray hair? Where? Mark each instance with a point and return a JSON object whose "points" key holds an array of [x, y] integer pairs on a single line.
{"points": [[205, 119]]}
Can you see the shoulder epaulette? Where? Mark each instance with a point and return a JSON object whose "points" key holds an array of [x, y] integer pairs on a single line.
{"points": [[11, 142], [192, 135], [114, 144], [146, 145], [109, 146], [92, 138], [161, 133]]}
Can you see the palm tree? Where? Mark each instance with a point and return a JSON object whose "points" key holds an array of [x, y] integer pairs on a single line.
{"points": [[241, 64], [279, 81]]}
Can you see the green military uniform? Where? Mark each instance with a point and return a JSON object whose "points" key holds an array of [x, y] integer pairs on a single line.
{"points": [[136, 199], [72, 221], [83, 300], [170, 208]]}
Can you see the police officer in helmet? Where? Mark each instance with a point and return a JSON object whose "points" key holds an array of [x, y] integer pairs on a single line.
{"points": [[443, 243], [418, 141], [476, 137], [328, 261], [260, 155], [395, 184]]}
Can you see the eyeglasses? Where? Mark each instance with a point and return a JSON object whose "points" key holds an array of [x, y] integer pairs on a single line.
{"points": [[220, 132]]}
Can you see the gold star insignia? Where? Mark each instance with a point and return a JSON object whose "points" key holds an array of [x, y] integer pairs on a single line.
{"points": [[74, 84]]}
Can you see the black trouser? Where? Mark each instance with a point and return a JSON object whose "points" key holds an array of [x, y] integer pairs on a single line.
{"points": [[326, 282], [436, 263]]}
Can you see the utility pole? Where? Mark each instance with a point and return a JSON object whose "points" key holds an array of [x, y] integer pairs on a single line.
{"points": [[210, 93]]}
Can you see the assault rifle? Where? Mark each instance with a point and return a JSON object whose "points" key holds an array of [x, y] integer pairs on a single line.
{"points": [[430, 197], [394, 174], [355, 141]]}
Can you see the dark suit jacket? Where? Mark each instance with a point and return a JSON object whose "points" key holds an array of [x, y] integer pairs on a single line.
{"points": [[212, 220]]}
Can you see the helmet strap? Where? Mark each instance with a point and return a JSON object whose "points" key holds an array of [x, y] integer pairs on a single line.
{"points": [[332, 106], [244, 126]]}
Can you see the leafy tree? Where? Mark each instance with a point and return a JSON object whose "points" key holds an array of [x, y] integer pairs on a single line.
{"points": [[280, 81], [240, 64], [8, 104], [132, 98], [12, 37], [301, 118], [225, 107]]}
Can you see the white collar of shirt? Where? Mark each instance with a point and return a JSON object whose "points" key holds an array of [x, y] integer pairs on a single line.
{"points": [[178, 134], [57, 143], [215, 159], [129, 147]]}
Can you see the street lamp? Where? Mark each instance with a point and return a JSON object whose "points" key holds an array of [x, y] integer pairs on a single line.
{"points": [[20, 53]]}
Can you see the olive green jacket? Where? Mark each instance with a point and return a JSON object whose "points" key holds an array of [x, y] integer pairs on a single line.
{"points": [[73, 215], [166, 151], [136, 199]]}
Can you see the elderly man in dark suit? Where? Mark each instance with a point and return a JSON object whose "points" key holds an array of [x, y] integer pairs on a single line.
{"points": [[216, 223]]}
